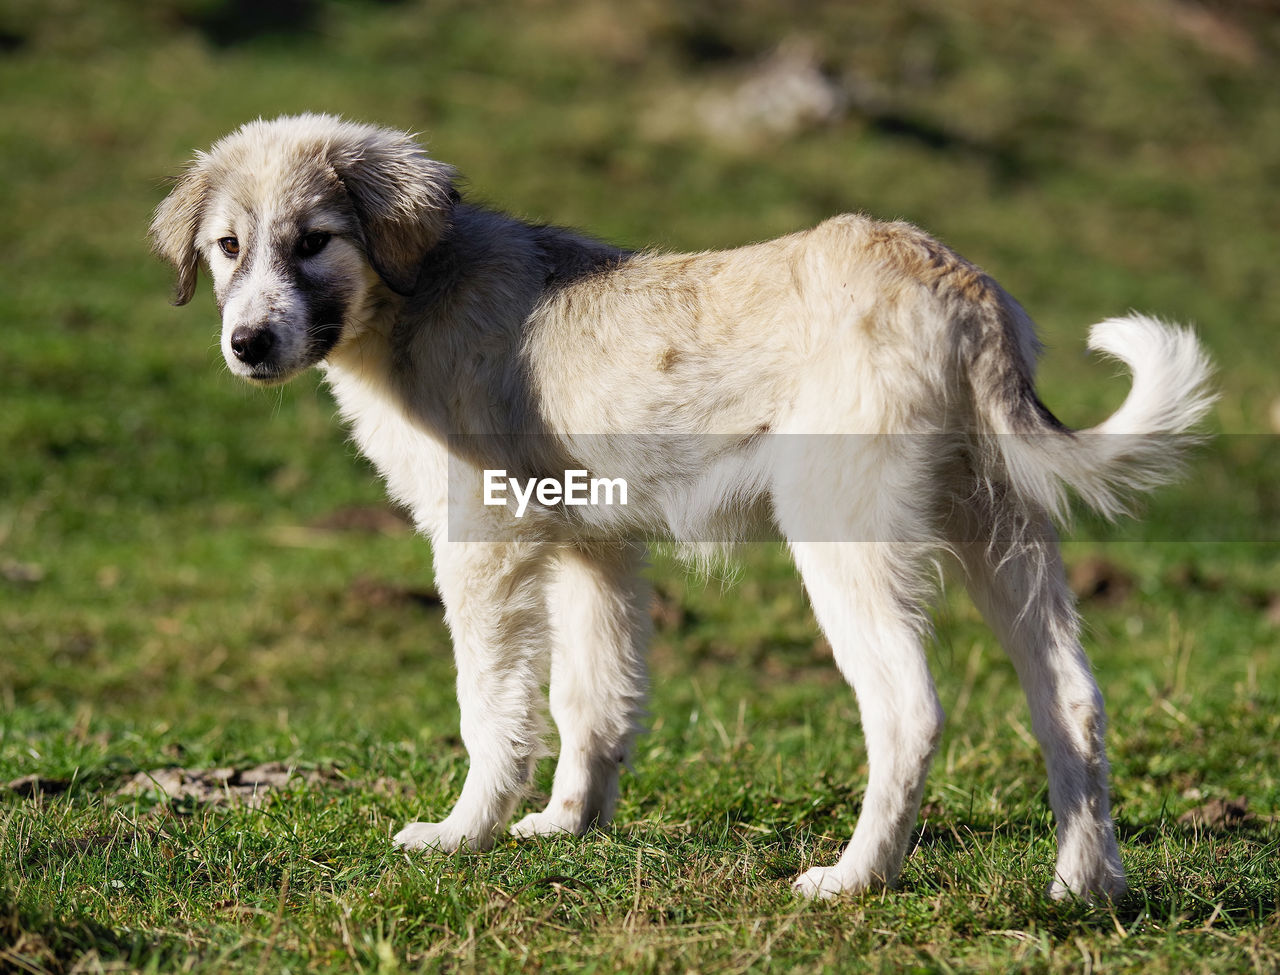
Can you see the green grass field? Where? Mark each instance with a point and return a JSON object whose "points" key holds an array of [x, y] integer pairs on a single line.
{"points": [[193, 576]]}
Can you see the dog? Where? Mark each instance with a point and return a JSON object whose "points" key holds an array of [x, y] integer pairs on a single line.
{"points": [[857, 388]]}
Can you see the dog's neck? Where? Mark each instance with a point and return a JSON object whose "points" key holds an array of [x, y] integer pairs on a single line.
{"points": [[446, 370], [455, 349]]}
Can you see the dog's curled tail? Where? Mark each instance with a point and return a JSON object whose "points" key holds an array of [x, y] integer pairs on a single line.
{"points": [[1137, 448]]}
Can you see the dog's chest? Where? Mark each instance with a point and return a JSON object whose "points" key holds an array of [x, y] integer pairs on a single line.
{"points": [[414, 464]]}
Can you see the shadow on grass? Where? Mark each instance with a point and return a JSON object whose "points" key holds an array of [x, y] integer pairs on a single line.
{"points": [[36, 941], [1231, 898]]}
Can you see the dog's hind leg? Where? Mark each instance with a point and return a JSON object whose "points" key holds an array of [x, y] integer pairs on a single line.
{"points": [[1014, 573], [600, 619], [859, 550], [495, 605], [859, 596]]}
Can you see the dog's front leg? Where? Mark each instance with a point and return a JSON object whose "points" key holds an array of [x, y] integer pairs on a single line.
{"points": [[600, 617], [496, 610]]}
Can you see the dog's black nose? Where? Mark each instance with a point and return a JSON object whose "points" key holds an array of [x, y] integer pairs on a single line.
{"points": [[252, 345]]}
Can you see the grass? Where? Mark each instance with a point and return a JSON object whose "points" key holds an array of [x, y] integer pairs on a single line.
{"points": [[170, 595]]}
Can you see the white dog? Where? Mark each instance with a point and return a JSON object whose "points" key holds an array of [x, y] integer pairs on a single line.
{"points": [[858, 388]]}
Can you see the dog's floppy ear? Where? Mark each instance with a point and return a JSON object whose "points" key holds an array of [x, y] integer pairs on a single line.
{"points": [[174, 228], [403, 200]]}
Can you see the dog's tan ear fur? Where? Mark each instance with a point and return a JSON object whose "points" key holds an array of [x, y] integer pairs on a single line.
{"points": [[403, 200], [174, 228]]}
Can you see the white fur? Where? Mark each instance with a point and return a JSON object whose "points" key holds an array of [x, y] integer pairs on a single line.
{"points": [[857, 388]]}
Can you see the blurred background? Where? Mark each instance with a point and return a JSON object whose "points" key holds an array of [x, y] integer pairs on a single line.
{"points": [[174, 544]]}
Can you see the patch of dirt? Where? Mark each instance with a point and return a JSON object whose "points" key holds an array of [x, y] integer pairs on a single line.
{"points": [[35, 785], [1273, 609], [665, 611], [387, 788], [21, 573], [178, 791], [369, 593], [1191, 577], [366, 519], [221, 786], [1218, 814], [1100, 580]]}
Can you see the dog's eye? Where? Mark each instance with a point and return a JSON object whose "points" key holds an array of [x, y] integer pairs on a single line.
{"points": [[230, 246], [313, 243]]}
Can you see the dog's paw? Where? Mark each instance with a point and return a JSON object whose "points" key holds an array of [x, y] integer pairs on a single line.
{"points": [[444, 837], [543, 824], [1108, 885], [823, 883], [820, 883]]}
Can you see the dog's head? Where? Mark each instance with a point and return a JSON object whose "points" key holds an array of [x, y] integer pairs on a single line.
{"points": [[299, 219]]}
